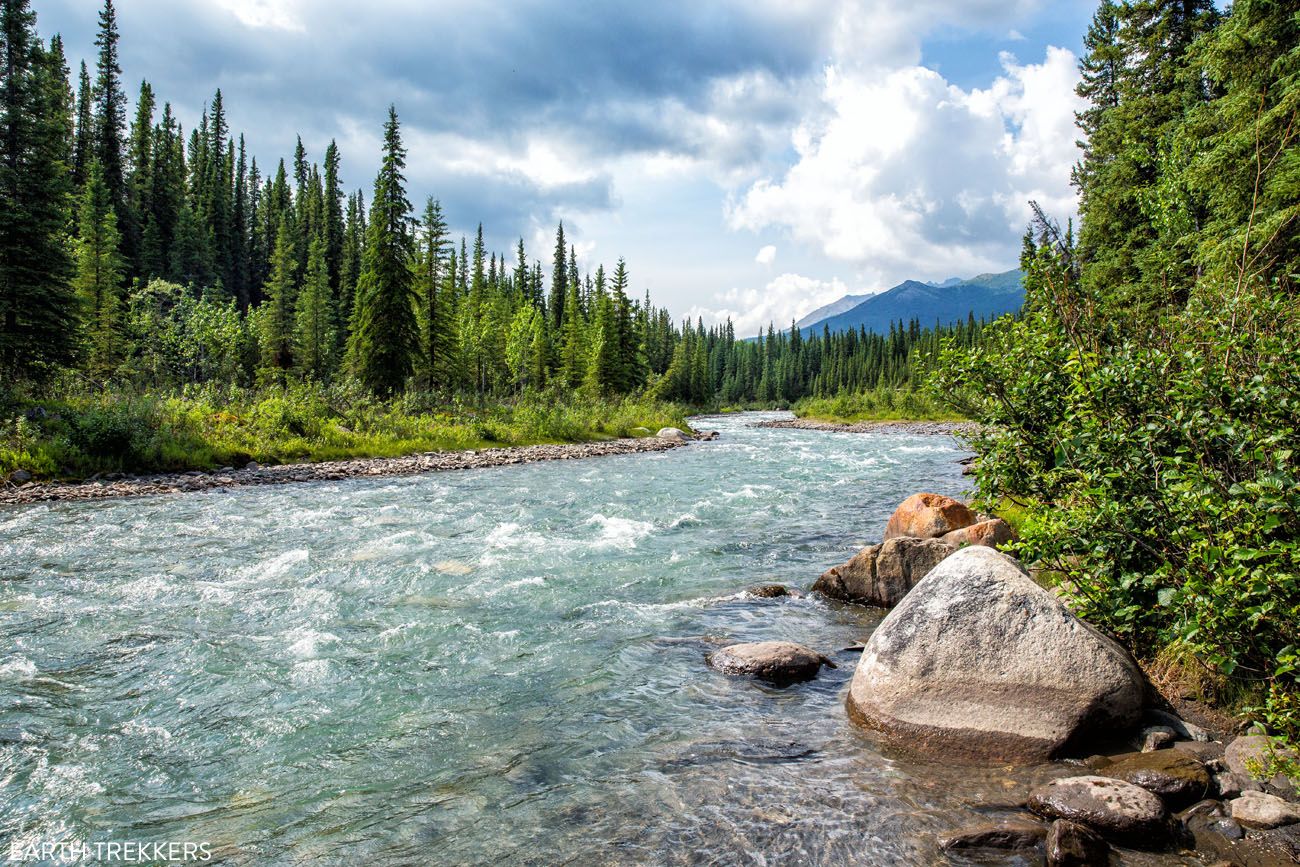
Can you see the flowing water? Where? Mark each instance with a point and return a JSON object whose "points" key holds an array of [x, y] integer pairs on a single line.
{"points": [[468, 667]]}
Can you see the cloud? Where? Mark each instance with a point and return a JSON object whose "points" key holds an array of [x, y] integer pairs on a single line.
{"points": [[766, 255], [258, 14], [783, 300], [908, 173]]}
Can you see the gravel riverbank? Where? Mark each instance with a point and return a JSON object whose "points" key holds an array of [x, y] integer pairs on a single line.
{"points": [[932, 428], [195, 480]]}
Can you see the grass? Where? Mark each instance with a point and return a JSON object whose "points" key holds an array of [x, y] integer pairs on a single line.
{"points": [[77, 433], [882, 404]]}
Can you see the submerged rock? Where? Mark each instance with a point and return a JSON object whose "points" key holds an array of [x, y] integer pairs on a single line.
{"points": [[928, 516], [993, 532], [771, 591], [780, 662], [1070, 844], [1115, 809], [1015, 835], [1262, 810], [979, 663], [882, 575], [1177, 777]]}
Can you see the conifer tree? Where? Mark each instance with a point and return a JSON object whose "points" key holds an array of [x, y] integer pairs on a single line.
{"points": [[559, 279], [83, 149], [334, 224], [314, 341], [384, 339], [436, 311], [139, 184], [37, 305], [277, 319], [110, 121], [98, 280]]}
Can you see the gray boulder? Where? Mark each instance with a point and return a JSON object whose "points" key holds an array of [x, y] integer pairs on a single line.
{"points": [[780, 662], [882, 575], [1070, 844], [1246, 755], [978, 663], [1115, 809], [1262, 810], [20, 477], [672, 433]]}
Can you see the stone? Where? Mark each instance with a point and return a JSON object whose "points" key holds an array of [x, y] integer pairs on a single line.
{"points": [[1249, 752], [1117, 810], [1182, 728], [1156, 737], [1228, 829], [1070, 844], [980, 664], [993, 533], [1262, 810], [1204, 751], [1178, 778], [672, 433], [1229, 785], [771, 591], [780, 662], [252, 465], [928, 516], [882, 575], [1012, 835], [20, 477]]}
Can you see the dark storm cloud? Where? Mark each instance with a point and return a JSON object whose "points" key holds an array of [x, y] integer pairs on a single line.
{"points": [[628, 78]]}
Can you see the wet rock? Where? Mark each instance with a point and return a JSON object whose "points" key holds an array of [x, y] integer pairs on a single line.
{"points": [[1012, 835], [1207, 751], [1178, 778], [1246, 754], [672, 433], [1115, 809], [1154, 738], [1262, 810], [780, 662], [771, 591], [993, 533], [978, 663], [1070, 844], [1182, 728], [882, 575], [928, 516], [1227, 828], [708, 436], [20, 477]]}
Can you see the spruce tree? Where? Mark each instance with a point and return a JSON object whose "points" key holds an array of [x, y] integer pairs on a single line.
{"points": [[139, 184], [110, 122], [83, 148], [334, 224], [436, 322], [38, 318], [385, 340], [98, 280], [277, 320], [559, 279], [314, 340]]}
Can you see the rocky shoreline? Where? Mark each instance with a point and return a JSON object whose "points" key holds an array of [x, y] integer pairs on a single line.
{"points": [[923, 428], [12, 494]]}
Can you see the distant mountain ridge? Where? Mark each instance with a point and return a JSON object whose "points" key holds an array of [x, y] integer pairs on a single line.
{"points": [[985, 296]]}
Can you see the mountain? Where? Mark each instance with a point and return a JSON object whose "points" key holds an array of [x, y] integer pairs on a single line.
{"points": [[845, 304], [986, 296]]}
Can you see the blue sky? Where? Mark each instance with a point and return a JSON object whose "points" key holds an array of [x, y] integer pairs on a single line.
{"points": [[753, 159]]}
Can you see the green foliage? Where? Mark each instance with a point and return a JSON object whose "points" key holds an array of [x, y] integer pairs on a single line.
{"points": [[99, 275], [881, 404]]}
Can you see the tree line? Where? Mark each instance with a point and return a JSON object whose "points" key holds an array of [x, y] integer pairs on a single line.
{"points": [[136, 253]]}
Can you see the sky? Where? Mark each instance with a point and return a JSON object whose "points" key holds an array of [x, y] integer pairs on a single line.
{"points": [[749, 158]]}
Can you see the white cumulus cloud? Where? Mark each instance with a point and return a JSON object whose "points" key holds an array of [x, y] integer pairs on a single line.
{"points": [[786, 298], [766, 255]]}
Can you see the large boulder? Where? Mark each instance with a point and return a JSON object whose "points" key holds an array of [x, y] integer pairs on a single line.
{"points": [[928, 516], [993, 532], [1176, 776], [1246, 756], [1115, 809], [979, 663], [672, 433], [779, 662], [882, 575], [1262, 810]]}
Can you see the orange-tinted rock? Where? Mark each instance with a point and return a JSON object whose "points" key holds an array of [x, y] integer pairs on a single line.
{"points": [[991, 533], [928, 516]]}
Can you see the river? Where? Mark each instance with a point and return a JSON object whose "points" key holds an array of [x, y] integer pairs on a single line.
{"points": [[464, 668]]}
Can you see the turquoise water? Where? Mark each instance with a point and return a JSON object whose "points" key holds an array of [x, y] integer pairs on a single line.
{"points": [[467, 667]]}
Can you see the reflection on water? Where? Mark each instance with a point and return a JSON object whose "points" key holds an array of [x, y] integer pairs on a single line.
{"points": [[468, 667]]}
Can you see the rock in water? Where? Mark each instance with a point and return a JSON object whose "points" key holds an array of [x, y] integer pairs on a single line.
{"points": [[1011, 836], [928, 516], [672, 433], [1177, 777], [978, 663], [1261, 810], [1115, 809], [771, 591], [993, 532], [780, 662], [882, 575], [1070, 844]]}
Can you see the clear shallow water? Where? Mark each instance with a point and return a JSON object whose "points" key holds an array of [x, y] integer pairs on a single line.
{"points": [[468, 667]]}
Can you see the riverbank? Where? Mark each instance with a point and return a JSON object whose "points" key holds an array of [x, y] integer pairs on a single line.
{"points": [[923, 428], [119, 485]]}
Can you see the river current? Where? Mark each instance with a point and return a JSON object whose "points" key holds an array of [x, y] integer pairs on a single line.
{"points": [[470, 667]]}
